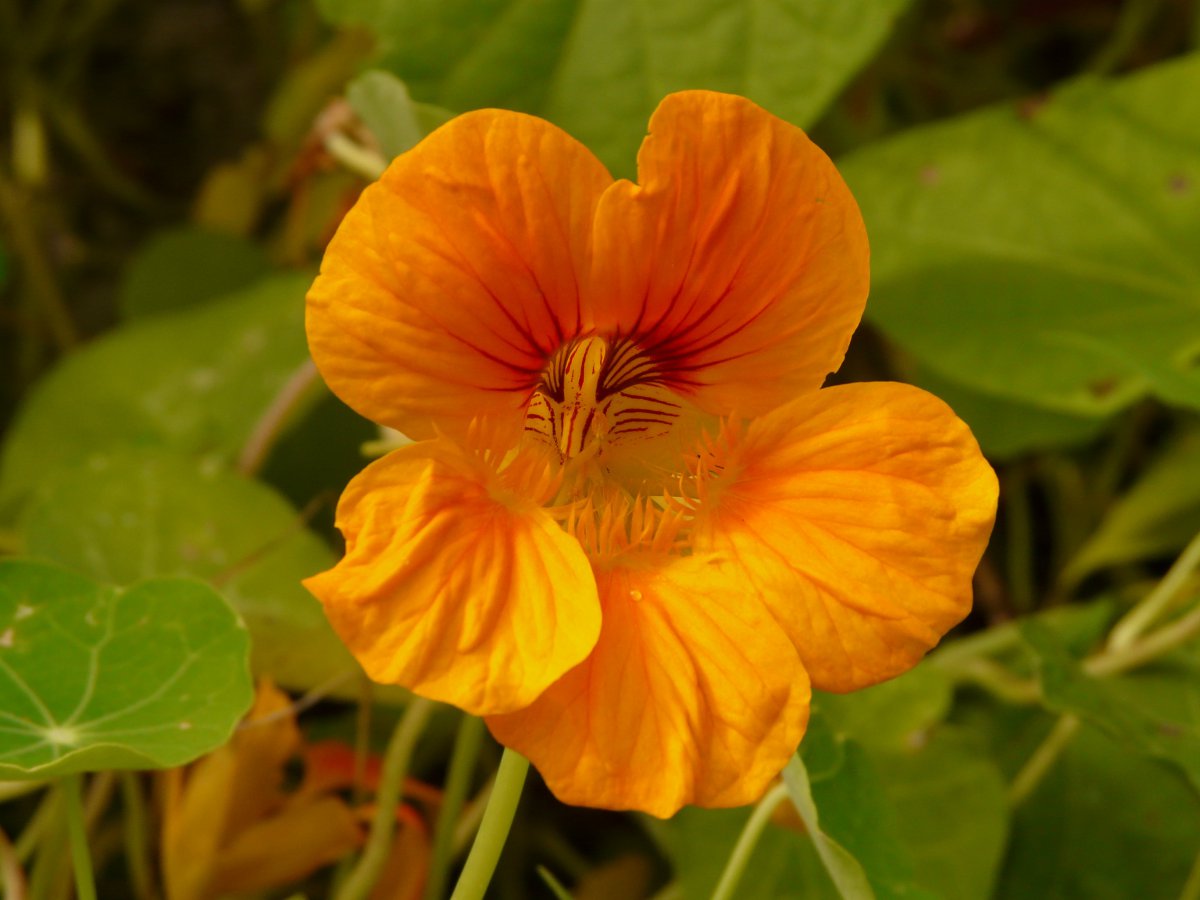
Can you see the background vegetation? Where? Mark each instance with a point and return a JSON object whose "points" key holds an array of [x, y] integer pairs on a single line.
{"points": [[170, 171]]}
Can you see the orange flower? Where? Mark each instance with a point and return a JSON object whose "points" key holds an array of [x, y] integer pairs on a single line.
{"points": [[633, 526], [230, 827]]}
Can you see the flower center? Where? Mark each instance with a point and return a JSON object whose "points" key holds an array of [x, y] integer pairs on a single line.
{"points": [[596, 393]]}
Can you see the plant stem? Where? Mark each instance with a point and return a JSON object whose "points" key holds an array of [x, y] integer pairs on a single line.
{"points": [[271, 423], [1158, 601], [746, 843], [1042, 760], [14, 215], [395, 765], [12, 879], [458, 780], [493, 830], [137, 837], [355, 157], [85, 883], [1154, 645], [1191, 887]]}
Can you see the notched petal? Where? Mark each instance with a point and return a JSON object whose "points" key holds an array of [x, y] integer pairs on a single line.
{"points": [[739, 262], [860, 514], [692, 695], [455, 587]]}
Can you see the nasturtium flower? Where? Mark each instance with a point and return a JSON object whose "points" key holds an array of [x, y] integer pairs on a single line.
{"points": [[633, 526]]}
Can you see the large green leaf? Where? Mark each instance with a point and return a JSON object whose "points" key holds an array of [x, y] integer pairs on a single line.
{"points": [[1007, 428], [195, 381], [96, 677], [1047, 251], [184, 267], [1155, 712], [1104, 824], [598, 67], [896, 713], [950, 798], [127, 515]]}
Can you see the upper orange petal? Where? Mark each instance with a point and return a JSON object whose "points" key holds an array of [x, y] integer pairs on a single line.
{"points": [[455, 587], [456, 275], [739, 261], [860, 512], [692, 695]]}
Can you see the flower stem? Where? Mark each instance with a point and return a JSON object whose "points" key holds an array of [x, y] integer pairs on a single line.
{"points": [[746, 843], [137, 837], [458, 780], [1043, 760], [85, 883], [493, 830], [1158, 601], [275, 417], [383, 825]]}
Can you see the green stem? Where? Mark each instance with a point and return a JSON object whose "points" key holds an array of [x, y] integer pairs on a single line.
{"points": [[355, 157], [37, 270], [271, 424], [137, 836], [1135, 18], [493, 830], [458, 780], [383, 825], [1191, 887], [1154, 645], [1042, 760], [997, 639], [85, 882], [1158, 601], [746, 843], [557, 888], [12, 879]]}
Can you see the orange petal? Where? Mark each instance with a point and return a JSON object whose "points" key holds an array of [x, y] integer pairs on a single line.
{"points": [[454, 277], [692, 695], [739, 261], [860, 512], [285, 848], [452, 586]]}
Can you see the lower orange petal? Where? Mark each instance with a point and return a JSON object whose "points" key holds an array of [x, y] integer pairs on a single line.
{"points": [[692, 695], [453, 587], [860, 513]]}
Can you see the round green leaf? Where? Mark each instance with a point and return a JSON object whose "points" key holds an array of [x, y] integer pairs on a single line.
{"points": [[95, 677], [126, 515], [185, 267]]}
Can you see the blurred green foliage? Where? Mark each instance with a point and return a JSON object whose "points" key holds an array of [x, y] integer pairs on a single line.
{"points": [[1030, 177]]}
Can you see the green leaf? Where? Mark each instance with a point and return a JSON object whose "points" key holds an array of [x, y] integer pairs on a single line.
{"points": [[1005, 428], [1156, 713], [894, 714], [127, 515], [951, 798], [195, 381], [783, 865], [95, 677], [598, 67], [1156, 517], [1015, 248], [841, 800], [381, 101], [1103, 824], [185, 267], [845, 871]]}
